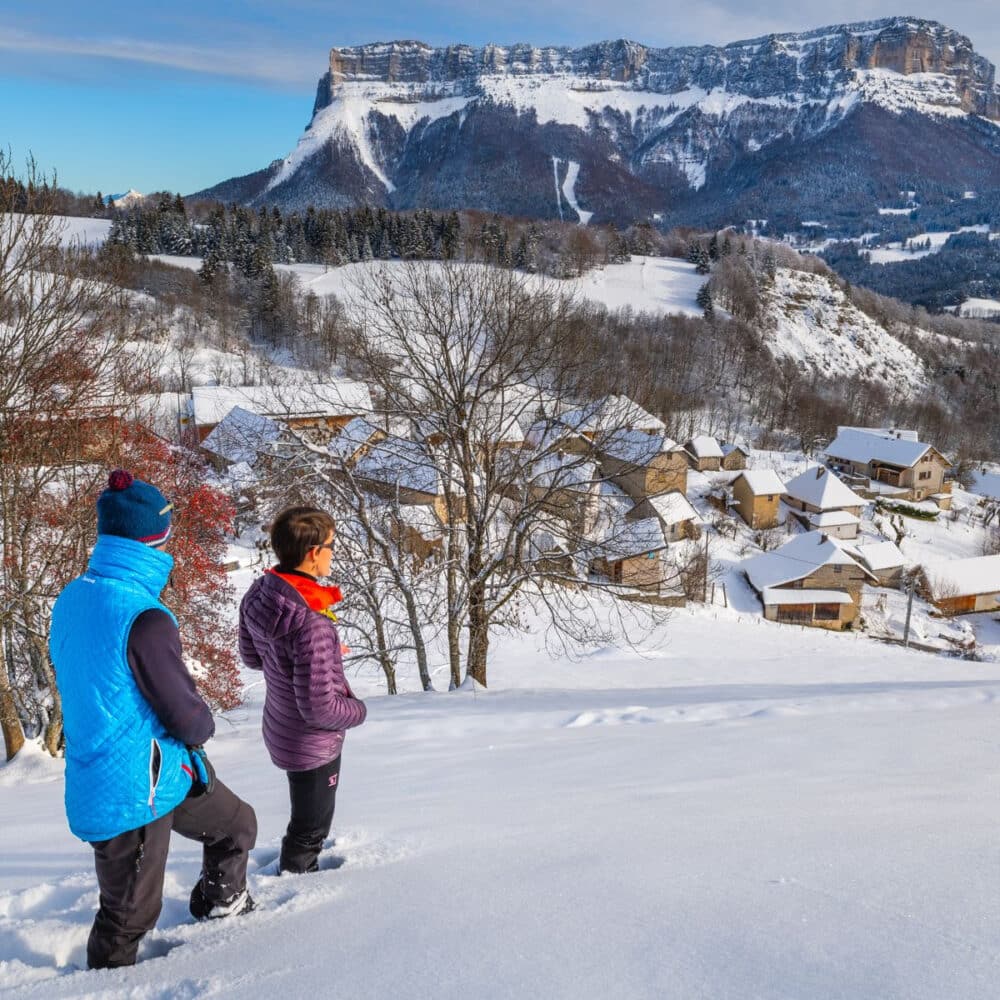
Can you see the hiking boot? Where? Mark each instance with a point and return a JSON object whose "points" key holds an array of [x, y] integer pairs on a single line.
{"points": [[208, 909]]}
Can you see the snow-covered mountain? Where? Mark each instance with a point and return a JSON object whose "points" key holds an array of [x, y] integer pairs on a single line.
{"points": [[125, 200], [620, 131]]}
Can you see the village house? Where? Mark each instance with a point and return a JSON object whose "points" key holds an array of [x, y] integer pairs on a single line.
{"points": [[324, 406], [631, 554], [757, 497], [704, 453], [810, 580], [611, 413], [678, 518], [642, 463], [882, 559], [241, 436], [401, 471], [964, 586], [734, 457], [354, 441], [819, 500], [893, 459]]}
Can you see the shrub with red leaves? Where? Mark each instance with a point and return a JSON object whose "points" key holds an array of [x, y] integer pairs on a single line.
{"points": [[199, 592]]}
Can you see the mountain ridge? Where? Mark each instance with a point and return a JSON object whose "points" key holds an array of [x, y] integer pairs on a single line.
{"points": [[643, 131]]}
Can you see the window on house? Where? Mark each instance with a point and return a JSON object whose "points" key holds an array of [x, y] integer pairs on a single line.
{"points": [[827, 612], [838, 569], [795, 614], [925, 475]]}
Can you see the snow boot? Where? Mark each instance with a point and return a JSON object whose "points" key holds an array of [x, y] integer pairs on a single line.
{"points": [[207, 909]]}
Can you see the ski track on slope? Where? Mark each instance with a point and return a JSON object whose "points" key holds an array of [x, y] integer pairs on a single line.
{"points": [[569, 190], [44, 929], [555, 176]]}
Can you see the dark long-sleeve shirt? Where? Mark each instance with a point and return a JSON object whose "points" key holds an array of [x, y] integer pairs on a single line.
{"points": [[154, 656]]}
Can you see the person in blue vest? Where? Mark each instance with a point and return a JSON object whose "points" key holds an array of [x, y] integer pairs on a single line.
{"points": [[135, 725]]}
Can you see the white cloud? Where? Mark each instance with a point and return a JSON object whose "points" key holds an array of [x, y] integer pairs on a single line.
{"points": [[287, 67]]}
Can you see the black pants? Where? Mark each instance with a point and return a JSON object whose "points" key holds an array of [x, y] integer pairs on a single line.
{"points": [[314, 796], [131, 866]]}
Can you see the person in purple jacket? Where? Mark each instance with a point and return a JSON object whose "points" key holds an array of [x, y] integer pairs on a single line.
{"points": [[287, 630]]}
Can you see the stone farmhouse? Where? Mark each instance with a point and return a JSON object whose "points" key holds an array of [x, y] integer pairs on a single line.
{"points": [[810, 580], [757, 497], [891, 461], [819, 500]]}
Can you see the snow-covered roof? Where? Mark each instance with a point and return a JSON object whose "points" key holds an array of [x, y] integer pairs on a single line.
{"points": [[728, 449], [819, 487], [703, 446], [400, 462], [212, 402], [965, 577], [637, 447], [775, 595], [421, 518], [632, 538], [566, 472], [802, 555], [351, 437], [241, 436], [855, 445], [762, 482], [673, 508], [879, 555], [833, 519], [611, 413]]}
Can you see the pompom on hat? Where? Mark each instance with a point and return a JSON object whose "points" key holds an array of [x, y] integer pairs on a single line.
{"points": [[133, 509]]}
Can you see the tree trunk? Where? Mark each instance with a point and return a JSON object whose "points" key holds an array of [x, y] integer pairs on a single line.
{"points": [[479, 636], [10, 724]]}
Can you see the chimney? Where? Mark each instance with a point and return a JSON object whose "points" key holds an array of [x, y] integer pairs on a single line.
{"points": [[824, 538], [819, 472]]}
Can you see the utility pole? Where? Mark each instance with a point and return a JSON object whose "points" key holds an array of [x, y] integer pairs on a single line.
{"points": [[704, 590], [909, 611]]}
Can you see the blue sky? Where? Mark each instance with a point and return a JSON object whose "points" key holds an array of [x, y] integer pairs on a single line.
{"points": [[182, 94]]}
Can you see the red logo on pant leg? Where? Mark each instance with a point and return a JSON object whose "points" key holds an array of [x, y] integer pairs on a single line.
{"points": [[333, 780]]}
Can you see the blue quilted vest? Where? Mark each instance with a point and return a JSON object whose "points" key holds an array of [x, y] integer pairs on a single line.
{"points": [[123, 769]]}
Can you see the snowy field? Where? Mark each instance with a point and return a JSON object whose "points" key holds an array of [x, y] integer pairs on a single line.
{"points": [[644, 284], [778, 813]]}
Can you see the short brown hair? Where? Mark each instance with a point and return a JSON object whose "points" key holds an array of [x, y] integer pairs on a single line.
{"points": [[295, 531]]}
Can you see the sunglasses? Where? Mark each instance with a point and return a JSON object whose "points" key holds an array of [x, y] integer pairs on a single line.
{"points": [[325, 545]]}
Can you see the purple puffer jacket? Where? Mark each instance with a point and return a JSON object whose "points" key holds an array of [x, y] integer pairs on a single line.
{"points": [[309, 703]]}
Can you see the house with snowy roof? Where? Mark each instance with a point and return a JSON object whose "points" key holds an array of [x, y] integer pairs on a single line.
{"points": [[401, 470], [704, 453], [674, 511], [892, 459], [642, 463], [964, 586], [610, 413], [323, 405], [882, 559], [734, 457], [240, 437], [355, 439], [810, 580], [630, 553], [757, 497], [820, 500]]}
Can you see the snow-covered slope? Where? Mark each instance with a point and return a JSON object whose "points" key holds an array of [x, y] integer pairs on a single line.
{"points": [[809, 319], [609, 827]]}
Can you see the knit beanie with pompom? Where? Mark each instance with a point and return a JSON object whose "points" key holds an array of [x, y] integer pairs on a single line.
{"points": [[133, 509]]}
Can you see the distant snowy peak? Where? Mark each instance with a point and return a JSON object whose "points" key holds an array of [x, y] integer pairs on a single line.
{"points": [[126, 200], [628, 129]]}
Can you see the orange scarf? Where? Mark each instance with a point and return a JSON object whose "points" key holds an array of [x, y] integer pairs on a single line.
{"points": [[318, 597]]}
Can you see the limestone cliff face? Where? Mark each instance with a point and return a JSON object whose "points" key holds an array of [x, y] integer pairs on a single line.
{"points": [[814, 62]]}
